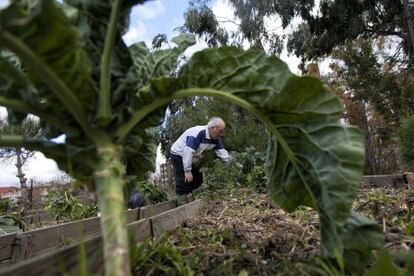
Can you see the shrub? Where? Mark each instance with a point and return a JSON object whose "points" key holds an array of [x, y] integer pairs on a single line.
{"points": [[256, 179], [5, 204], [246, 169], [153, 194]]}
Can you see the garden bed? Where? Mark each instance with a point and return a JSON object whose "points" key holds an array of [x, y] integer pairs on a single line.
{"points": [[246, 232]]}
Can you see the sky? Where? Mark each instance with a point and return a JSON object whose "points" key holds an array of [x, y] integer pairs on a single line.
{"points": [[148, 20], [155, 17]]}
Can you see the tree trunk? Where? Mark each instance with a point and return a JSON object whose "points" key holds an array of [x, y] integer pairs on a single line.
{"points": [[410, 30], [109, 185], [369, 154], [30, 193], [20, 175]]}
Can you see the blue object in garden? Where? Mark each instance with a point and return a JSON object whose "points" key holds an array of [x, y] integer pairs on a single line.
{"points": [[136, 200]]}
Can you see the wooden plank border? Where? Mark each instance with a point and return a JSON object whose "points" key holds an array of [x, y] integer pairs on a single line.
{"points": [[132, 215], [7, 243], [18, 247], [409, 178], [66, 260], [43, 240], [40, 218], [170, 220], [152, 210], [61, 262], [390, 180]]}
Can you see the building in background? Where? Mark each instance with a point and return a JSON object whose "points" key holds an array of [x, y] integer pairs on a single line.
{"points": [[13, 193]]}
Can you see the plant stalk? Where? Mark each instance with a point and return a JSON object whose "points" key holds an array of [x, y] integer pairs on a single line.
{"points": [[104, 111], [109, 185]]}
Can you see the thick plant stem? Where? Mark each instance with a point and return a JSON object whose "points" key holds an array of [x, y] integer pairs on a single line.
{"points": [[109, 185], [104, 111]]}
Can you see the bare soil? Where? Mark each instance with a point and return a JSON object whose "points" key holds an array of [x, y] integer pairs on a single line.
{"points": [[245, 232], [257, 236]]}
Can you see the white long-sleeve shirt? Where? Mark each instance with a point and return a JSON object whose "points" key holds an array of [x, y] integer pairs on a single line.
{"points": [[193, 142]]}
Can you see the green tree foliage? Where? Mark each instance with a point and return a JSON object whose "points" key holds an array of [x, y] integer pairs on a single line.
{"points": [[374, 81], [406, 136], [200, 20], [316, 35], [242, 128], [80, 78], [340, 21], [375, 95]]}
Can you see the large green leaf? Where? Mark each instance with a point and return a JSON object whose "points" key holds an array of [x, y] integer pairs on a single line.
{"points": [[159, 63], [13, 85], [92, 19], [140, 148], [165, 61], [45, 30], [19, 95], [9, 224], [384, 266], [139, 152], [360, 236], [149, 65], [313, 159], [63, 44]]}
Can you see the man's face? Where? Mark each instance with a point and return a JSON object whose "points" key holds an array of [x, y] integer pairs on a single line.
{"points": [[216, 131]]}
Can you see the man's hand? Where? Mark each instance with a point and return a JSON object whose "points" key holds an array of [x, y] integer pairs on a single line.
{"points": [[188, 177]]}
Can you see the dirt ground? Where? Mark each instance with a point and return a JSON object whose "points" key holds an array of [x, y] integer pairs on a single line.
{"points": [[257, 236], [393, 210], [245, 233]]}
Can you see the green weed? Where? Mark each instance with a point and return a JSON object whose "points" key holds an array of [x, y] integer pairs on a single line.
{"points": [[153, 194], [66, 204]]}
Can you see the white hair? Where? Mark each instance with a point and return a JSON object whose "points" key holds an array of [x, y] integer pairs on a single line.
{"points": [[215, 121]]}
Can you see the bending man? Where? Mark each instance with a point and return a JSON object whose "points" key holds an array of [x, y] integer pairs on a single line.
{"points": [[187, 152]]}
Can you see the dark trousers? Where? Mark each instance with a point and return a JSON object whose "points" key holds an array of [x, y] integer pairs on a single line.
{"points": [[182, 187]]}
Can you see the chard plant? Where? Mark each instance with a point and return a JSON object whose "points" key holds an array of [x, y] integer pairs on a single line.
{"points": [[78, 76]]}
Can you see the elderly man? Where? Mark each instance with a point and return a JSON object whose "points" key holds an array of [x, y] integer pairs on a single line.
{"points": [[187, 151]]}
